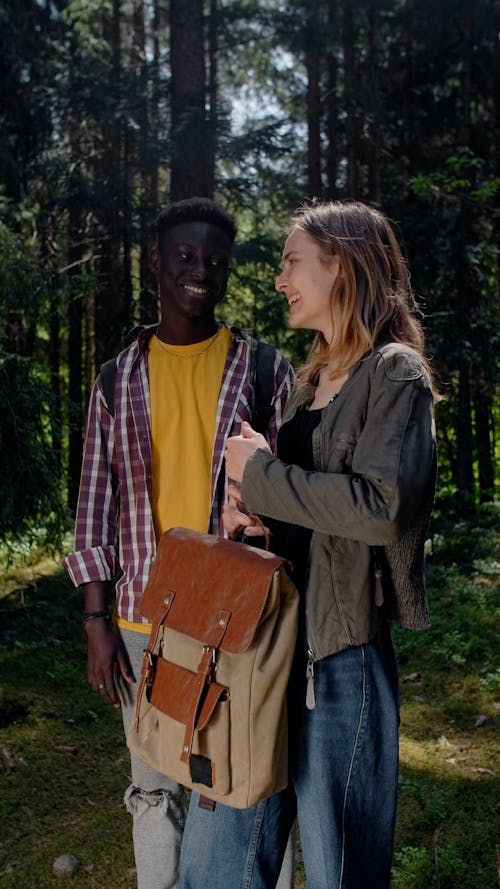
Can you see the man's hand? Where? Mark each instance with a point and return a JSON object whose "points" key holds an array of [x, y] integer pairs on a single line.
{"points": [[240, 448], [105, 657]]}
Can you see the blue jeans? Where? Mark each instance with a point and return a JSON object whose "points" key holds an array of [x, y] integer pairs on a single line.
{"points": [[235, 848], [343, 771]]}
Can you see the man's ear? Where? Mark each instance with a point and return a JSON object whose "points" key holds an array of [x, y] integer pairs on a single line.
{"points": [[154, 259]]}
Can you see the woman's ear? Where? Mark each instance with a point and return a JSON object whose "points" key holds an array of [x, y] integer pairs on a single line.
{"points": [[335, 268]]}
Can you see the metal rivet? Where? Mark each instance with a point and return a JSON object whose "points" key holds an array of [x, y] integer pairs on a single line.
{"points": [[186, 748], [222, 622]]}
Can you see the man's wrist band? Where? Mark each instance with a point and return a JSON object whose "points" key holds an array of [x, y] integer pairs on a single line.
{"points": [[92, 615]]}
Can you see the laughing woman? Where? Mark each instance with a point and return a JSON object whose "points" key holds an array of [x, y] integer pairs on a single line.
{"points": [[348, 499]]}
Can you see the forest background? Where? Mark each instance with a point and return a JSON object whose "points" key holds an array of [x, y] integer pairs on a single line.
{"points": [[109, 110]]}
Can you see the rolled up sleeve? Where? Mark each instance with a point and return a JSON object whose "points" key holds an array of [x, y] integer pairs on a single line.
{"points": [[95, 554]]}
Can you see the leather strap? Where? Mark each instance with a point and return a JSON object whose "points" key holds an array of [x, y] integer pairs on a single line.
{"points": [[147, 673], [215, 637], [205, 672], [204, 675]]}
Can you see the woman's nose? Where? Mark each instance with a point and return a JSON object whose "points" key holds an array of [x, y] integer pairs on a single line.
{"points": [[280, 283]]}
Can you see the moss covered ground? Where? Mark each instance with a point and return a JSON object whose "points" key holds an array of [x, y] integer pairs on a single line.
{"points": [[64, 764]]}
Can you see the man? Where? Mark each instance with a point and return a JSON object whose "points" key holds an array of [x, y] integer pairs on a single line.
{"points": [[156, 461]]}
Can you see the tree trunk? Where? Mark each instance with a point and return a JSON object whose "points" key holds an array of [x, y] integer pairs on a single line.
{"points": [[75, 340], [75, 305], [483, 415], [55, 377], [464, 464], [127, 227], [348, 9], [89, 351], [143, 306], [153, 195], [314, 186], [331, 101], [213, 86], [373, 151], [313, 100], [54, 351], [110, 318], [192, 160], [410, 140]]}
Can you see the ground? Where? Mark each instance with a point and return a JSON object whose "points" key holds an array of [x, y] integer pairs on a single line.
{"points": [[65, 765]]}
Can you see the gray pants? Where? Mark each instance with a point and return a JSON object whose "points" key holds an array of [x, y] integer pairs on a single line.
{"points": [[158, 805]]}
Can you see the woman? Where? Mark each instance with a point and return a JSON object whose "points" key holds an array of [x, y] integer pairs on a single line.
{"points": [[348, 500]]}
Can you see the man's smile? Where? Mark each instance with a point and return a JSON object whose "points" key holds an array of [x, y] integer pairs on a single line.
{"points": [[195, 288]]}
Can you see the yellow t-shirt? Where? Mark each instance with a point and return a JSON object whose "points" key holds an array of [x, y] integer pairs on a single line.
{"points": [[184, 386]]}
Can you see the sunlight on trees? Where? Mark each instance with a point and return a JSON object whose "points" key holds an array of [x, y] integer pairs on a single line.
{"points": [[103, 122]]}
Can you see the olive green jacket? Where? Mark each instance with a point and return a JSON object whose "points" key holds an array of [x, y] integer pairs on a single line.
{"points": [[368, 500]]}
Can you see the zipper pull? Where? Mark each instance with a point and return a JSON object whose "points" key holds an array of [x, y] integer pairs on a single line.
{"points": [[310, 696], [379, 590]]}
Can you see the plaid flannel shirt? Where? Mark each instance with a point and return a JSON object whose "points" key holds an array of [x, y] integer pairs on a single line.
{"points": [[114, 533]]}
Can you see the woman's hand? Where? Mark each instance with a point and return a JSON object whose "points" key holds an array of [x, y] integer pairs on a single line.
{"points": [[240, 448], [237, 520]]}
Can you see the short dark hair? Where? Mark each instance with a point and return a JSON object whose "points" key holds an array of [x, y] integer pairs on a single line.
{"points": [[194, 209]]}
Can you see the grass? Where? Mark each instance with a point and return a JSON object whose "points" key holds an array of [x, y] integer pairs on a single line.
{"points": [[447, 827], [65, 796], [65, 765]]}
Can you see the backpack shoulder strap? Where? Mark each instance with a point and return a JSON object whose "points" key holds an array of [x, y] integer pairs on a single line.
{"points": [[107, 373], [107, 370], [263, 359]]}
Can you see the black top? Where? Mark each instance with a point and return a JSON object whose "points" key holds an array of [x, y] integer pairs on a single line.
{"points": [[295, 438], [294, 446]]}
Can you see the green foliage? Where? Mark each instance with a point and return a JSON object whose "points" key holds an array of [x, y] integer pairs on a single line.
{"points": [[438, 868], [429, 799], [22, 290], [253, 303], [412, 868], [30, 496], [463, 572], [459, 277], [30, 484]]}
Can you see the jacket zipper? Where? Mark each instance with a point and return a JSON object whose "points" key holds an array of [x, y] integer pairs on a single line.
{"points": [[379, 590], [311, 654], [310, 696]]}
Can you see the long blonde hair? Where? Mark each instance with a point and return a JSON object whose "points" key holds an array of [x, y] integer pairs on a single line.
{"points": [[372, 296]]}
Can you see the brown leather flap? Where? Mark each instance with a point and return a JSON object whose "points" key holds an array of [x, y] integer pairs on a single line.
{"points": [[174, 691], [215, 582]]}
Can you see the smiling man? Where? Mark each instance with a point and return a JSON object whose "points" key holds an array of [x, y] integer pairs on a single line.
{"points": [[153, 461]]}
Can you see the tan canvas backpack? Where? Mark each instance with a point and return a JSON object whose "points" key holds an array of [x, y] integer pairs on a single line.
{"points": [[211, 705]]}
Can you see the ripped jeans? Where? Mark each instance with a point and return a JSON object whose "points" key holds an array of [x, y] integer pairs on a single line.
{"points": [[157, 804]]}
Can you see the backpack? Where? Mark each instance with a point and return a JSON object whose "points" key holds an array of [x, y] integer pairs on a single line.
{"points": [[211, 708], [262, 357]]}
